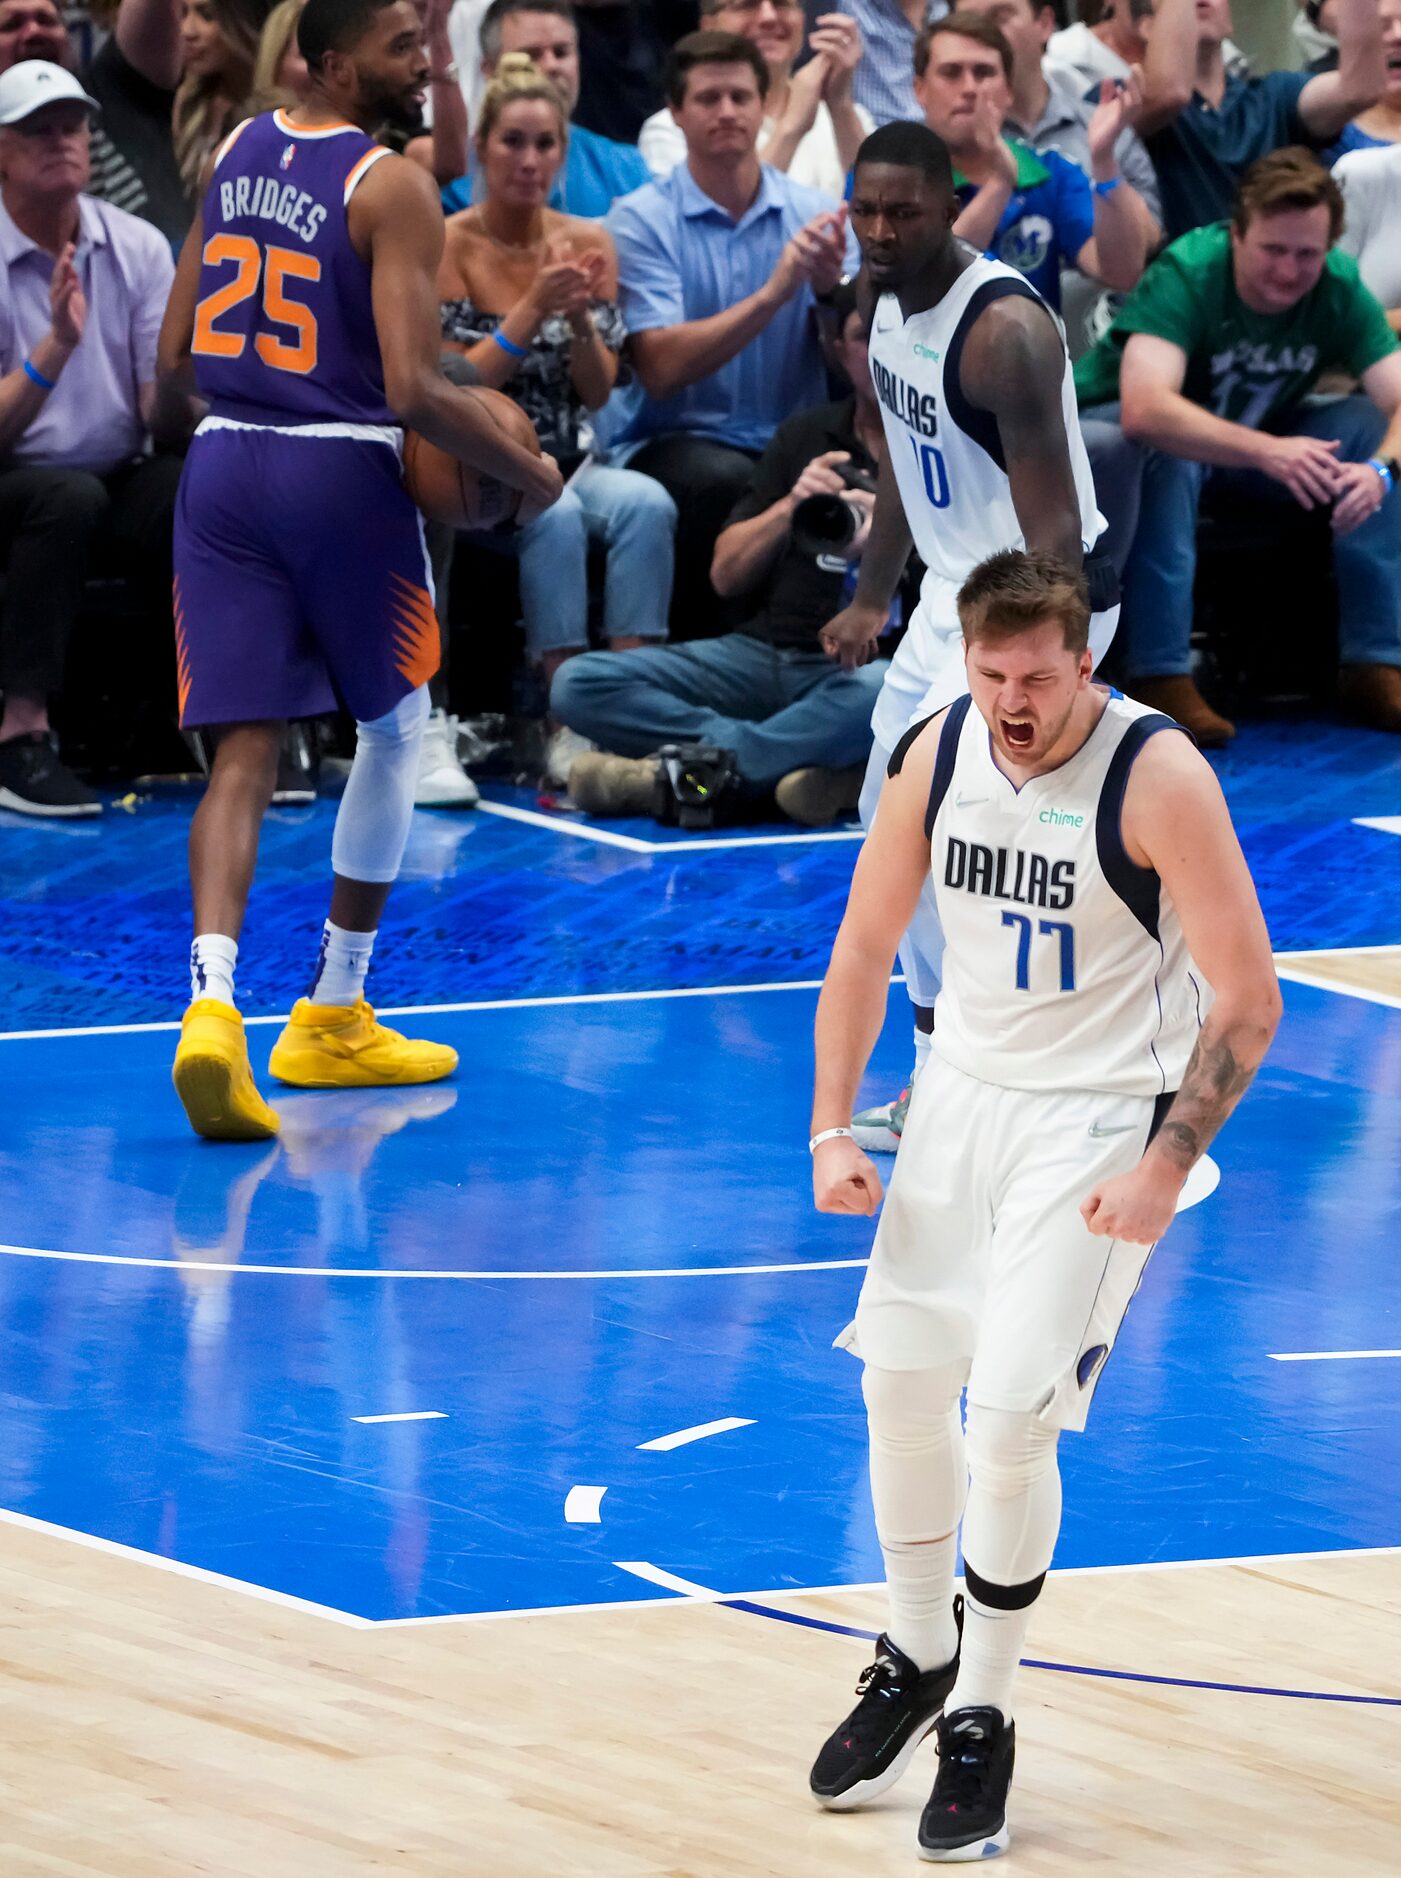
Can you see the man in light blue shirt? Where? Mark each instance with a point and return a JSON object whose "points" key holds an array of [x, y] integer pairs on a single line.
{"points": [[596, 170], [719, 264]]}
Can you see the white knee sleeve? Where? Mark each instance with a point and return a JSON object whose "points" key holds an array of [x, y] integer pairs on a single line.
{"points": [[918, 1476], [373, 821], [1014, 1500]]}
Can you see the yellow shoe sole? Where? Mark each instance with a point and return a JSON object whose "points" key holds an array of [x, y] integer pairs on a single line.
{"points": [[218, 1109]]}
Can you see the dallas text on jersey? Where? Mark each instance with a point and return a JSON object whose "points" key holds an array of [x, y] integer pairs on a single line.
{"points": [[918, 409], [1009, 874]]}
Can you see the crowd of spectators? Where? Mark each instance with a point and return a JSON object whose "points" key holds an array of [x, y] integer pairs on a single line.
{"points": [[647, 247]]}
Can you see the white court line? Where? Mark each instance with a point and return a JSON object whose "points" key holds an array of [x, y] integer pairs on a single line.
{"points": [[632, 844], [412, 1415], [665, 1443], [1327, 1356], [474, 1004], [1333, 952], [375, 1271], [116, 1550], [581, 1505], [685, 1590], [1292, 975]]}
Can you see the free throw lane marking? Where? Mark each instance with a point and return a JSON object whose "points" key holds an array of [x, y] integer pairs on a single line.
{"points": [[581, 1505], [411, 1415], [664, 1443]]}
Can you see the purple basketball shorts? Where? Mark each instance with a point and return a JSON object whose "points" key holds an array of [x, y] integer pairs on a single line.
{"points": [[301, 578]]}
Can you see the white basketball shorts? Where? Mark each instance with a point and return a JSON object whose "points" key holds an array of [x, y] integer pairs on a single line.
{"points": [[981, 1257]]}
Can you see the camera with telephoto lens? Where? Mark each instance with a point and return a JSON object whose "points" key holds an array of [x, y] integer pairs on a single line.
{"points": [[829, 524]]}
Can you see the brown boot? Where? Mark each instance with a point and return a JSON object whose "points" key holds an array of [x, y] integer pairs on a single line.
{"points": [[1371, 694], [1179, 698], [612, 785], [815, 797]]}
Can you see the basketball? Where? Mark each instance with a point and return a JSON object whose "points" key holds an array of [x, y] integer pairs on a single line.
{"points": [[450, 491]]}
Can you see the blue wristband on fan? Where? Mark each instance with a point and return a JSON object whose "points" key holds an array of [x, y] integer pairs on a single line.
{"points": [[1383, 470], [1109, 183], [509, 345], [33, 373]]}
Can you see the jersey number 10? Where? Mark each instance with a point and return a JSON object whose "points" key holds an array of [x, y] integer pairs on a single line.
{"points": [[275, 269], [1049, 928], [931, 468]]}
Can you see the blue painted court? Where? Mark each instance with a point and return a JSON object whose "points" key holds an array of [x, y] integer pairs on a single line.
{"points": [[600, 1232]]}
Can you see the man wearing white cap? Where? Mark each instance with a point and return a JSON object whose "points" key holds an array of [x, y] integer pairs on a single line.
{"points": [[83, 288]]}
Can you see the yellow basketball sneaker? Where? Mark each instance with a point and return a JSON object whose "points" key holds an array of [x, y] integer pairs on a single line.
{"points": [[212, 1076], [339, 1046]]}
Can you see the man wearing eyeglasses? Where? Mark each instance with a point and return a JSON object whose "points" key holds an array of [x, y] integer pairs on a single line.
{"points": [[812, 125]]}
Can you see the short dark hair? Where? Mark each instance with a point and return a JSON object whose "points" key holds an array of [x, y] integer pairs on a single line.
{"points": [[1017, 589], [501, 10], [1291, 178], [333, 26], [968, 26], [711, 49], [909, 146]]}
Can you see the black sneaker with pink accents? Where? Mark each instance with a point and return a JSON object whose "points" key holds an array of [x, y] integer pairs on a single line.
{"points": [[966, 1816]]}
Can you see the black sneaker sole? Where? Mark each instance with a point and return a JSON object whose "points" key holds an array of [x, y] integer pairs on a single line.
{"points": [[982, 1845], [862, 1792], [23, 805]]}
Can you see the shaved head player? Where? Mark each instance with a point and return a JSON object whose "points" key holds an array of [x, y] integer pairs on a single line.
{"points": [[1093, 897], [305, 303]]}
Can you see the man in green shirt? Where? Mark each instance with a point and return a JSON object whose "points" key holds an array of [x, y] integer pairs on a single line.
{"points": [[1210, 360]]}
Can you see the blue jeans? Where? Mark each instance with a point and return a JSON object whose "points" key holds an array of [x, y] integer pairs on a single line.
{"points": [[635, 519], [777, 710], [1162, 565]]}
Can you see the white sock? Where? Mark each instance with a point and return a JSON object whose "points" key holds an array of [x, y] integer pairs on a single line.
{"points": [[992, 1649], [213, 956], [924, 1043], [340, 970]]}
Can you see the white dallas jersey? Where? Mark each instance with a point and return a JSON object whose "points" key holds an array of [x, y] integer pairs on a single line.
{"points": [[1064, 962], [946, 453]]}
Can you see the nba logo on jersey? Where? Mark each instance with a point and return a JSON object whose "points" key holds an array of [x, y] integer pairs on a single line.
{"points": [[287, 155]]}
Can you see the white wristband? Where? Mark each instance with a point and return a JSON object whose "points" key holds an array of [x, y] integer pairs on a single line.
{"points": [[828, 1134]]}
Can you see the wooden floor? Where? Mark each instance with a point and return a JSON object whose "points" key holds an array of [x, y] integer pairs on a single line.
{"points": [[1378, 969], [157, 1727]]}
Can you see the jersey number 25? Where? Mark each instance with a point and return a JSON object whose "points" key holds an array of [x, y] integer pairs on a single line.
{"points": [[276, 268]]}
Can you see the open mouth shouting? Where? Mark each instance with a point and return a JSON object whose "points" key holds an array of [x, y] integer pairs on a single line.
{"points": [[1018, 733]]}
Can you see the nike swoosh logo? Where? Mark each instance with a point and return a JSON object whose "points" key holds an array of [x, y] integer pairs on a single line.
{"points": [[1099, 1133]]}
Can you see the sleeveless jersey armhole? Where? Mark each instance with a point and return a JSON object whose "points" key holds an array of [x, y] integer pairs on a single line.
{"points": [[363, 168], [944, 760], [1138, 887], [976, 424], [229, 142]]}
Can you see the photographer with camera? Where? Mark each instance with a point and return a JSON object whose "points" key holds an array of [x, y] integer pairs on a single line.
{"points": [[761, 708]]}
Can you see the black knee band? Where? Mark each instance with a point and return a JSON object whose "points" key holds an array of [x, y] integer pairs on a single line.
{"points": [[924, 1018], [1002, 1597]]}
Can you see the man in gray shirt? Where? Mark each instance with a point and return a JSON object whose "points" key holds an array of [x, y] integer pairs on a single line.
{"points": [[83, 288]]}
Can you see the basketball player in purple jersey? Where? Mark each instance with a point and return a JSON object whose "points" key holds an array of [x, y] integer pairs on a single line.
{"points": [[305, 303]]}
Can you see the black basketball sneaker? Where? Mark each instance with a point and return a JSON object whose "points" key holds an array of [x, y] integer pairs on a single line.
{"points": [[875, 1744], [966, 1816]]}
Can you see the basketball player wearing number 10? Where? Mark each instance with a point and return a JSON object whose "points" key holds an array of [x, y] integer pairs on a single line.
{"points": [[1093, 898], [982, 451], [305, 301]]}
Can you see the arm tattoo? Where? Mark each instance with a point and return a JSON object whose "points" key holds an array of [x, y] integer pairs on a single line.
{"points": [[1218, 1074]]}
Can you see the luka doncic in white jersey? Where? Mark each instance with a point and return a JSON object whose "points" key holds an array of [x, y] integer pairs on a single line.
{"points": [[946, 452], [1064, 962]]}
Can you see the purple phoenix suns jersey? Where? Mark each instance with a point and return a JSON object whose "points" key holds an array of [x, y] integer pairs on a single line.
{"points": [[284, 329]]}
